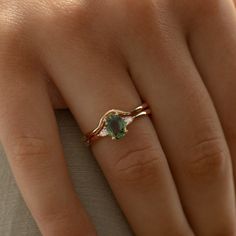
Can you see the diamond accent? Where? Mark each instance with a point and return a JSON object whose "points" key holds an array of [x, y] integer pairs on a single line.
{"points": [[128, 119], [103, 132]]}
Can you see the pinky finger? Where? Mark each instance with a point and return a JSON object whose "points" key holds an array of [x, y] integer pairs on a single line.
{"points": [[30, 138]]}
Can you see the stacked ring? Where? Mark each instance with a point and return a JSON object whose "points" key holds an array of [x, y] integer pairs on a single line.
{"points": [[114, 123]]}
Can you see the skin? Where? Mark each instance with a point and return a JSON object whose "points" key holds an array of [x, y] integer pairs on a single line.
{"points": [[173, 174]]}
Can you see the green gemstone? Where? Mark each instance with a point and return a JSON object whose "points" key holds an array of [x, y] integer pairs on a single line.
{"points": [[116, 126]]}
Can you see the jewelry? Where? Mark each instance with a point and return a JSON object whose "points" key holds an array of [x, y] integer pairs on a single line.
{"points": [[114, 123]]}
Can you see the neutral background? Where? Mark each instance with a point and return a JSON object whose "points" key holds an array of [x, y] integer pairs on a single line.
{"points": [[15, 219]]}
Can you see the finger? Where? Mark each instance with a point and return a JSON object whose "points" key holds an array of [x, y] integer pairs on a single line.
{"points": [[189, 130], [135, 166], [30, 138], [216, 59]]}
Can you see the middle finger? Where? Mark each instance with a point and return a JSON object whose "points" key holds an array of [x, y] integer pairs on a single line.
{"points": [[189, 129]]}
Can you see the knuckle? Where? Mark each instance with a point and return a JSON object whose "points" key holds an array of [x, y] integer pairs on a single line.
{"points": [[205, 8], [207, 158], [199, 11], [147, 15], [139, 165], [8, 16], [14, 35], [78, 21], [68, 9], [153, 18], [25, 150], [12, 19], [73, 15], [137, 8], [9, 29]]}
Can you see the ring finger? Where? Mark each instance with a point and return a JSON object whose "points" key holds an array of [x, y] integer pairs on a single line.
{"points": [[135, 166]]}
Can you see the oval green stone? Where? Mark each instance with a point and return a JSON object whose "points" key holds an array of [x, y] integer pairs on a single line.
{"points": [[116, 126]]}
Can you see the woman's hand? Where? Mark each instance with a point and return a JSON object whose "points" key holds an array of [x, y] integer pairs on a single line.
{"points": [[172, 174]]}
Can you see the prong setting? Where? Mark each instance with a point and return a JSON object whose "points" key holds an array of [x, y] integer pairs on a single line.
{"points": [[114, 123]]}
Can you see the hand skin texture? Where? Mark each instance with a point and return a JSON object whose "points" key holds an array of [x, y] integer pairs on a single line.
{"points": [[173, 172]]}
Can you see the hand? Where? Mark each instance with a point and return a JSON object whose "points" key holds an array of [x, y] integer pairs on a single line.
{"points": [[171, 174]]}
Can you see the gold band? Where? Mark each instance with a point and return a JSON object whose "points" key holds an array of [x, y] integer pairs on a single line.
{"points": [[114, 122]]}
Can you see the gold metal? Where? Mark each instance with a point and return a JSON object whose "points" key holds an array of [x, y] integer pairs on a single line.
{"points": [[137, 112]]}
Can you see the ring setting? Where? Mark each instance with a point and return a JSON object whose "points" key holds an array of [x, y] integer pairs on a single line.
{"points": [[115, 126], [114, 123]]}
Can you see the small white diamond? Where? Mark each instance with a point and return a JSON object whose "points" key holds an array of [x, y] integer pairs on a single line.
{"points": [[128, 119], [103, 132]]}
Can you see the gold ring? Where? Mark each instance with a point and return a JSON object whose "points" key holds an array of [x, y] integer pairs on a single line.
{"points": [[114, 123]]}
